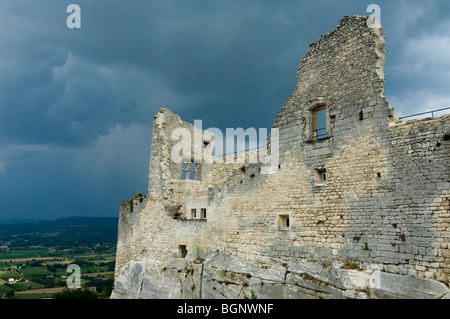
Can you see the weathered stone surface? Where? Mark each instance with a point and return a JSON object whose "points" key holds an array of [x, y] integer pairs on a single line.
{"points": [[392, 286], [224, 262], [230, 277], [151, 279], [128, 283], [350, 279]]}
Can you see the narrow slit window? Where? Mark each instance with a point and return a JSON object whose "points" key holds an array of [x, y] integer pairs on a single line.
{"points": [[203, 212], [321, 176], [192, 170], [182, 251], [198, 171], [193, 213], [184, 170], [322, 123]]}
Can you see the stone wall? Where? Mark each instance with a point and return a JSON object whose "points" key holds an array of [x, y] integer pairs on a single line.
{"points": [[380, 216]]}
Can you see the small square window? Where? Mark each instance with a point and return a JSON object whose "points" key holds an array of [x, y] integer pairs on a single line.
{"points": [[321, 176], [283, 222]]}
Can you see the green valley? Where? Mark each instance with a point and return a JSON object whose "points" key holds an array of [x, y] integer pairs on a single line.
{"points": [[34, 256]]}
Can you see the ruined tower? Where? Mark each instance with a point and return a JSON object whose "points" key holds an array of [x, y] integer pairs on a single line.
{"points": [[358, 206]]}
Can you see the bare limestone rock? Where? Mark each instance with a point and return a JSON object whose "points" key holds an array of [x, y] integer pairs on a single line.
{"points": [[128, 283], [392, 286], [230, 277]]}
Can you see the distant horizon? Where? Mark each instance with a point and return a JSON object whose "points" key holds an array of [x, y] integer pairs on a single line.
{"points": [[7, 221]]}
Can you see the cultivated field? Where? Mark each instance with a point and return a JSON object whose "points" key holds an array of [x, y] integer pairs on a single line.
{"points": [[34, 258]]}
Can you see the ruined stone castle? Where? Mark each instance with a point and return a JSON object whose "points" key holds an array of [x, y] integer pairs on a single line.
{"points": [[357, 208]]}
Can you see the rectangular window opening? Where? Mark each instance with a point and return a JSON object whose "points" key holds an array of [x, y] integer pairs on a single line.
{"points": [[319, 119], [283, 222], [321, 176], [182, 251], [185, 170], [190, 170], [193, 213], [203, 212]]}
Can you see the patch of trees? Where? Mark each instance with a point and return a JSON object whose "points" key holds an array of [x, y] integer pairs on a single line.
{"points": [[34, 263], [56, 266], [81, 293], [104, 287], [48, 282]]}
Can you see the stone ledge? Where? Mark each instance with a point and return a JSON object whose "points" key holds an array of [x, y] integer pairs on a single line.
{"points": [[226, 276]]}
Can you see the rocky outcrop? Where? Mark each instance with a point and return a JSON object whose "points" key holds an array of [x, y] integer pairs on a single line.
{"points": [[390, 286], [150, 279], [230, 277]]}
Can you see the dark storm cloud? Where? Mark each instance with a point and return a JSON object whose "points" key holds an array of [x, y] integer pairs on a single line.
{"points": [[76, 105], [418, 66], [69, 86]]}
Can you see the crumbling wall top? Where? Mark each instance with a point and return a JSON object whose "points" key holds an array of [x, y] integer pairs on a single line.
{"points": [[345, 67]]}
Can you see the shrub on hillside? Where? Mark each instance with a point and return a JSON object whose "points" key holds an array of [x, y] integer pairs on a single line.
{"points": [[76, 293]]}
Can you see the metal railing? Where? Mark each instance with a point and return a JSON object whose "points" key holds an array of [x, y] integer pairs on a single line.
{"points": [[321, 133], [418, 114]]}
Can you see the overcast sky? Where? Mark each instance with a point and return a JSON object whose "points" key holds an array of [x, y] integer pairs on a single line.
{"points": [[76, 105]]}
